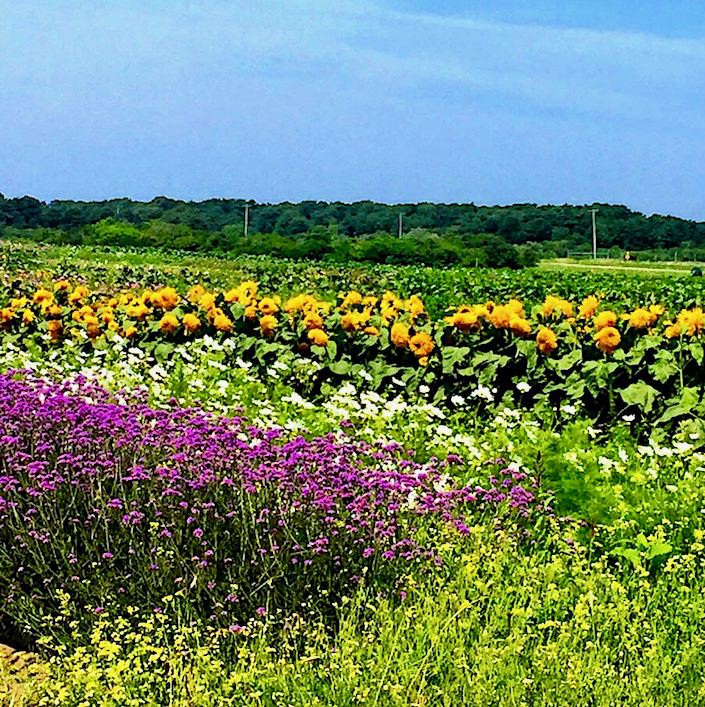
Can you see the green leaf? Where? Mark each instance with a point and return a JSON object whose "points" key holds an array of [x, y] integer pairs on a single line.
{"points": [[640, 394], [340, 368], [685, 405], [452, 356], [658, 549], [628, 553], [664, 367], [163, 350], [565, 363], [641, 541]]}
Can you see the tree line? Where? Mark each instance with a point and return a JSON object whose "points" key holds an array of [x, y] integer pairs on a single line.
{"points": [[502, 236]]}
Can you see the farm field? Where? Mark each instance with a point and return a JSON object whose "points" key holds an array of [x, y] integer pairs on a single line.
{"points": [[255, 482], [654, 268]]}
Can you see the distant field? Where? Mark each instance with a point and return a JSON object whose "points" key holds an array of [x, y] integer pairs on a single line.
{"points": [[610, 265]]}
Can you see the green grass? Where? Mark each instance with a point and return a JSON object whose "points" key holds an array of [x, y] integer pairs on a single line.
{"points": [[495, 626], [649, 269]]}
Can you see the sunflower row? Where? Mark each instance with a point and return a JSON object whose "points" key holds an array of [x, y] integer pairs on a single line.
{"points": [[69, 310]]}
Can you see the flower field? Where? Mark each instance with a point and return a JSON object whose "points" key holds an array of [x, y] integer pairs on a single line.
{"points": [[226, 483], [644, 360]]}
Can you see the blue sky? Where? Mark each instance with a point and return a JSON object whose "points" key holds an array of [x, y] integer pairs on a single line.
{"points": [[392, 100]]}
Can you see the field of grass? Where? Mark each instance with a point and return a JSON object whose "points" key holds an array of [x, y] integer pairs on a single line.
{"points": [[642, 268], [252, 482]]}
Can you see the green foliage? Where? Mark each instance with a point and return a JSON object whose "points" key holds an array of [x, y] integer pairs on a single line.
{"points": [[494, 626], [437, 234]]}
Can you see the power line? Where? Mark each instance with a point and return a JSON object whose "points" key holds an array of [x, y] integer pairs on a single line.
{"points": [[594, 211]]}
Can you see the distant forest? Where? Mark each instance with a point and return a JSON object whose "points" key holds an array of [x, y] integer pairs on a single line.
{"points": [[438, 234]]}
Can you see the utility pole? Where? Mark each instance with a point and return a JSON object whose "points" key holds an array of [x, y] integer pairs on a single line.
{"points": [[247, 209], [401, 223], [594, 233]]}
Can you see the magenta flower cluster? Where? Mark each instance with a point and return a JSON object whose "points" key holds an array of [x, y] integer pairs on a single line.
{"points": [[114, 501]]}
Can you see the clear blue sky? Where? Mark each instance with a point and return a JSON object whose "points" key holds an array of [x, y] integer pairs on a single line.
{"points": [[437, 100]]}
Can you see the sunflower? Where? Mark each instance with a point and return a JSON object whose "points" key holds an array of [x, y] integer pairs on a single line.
{"points": [[164, 298], [641, 318], [464, 320], [607, 339], [501, 315], [352, 298], [137, 310], [195, 293], [41, 296], [313, 320], [6, 316], [55, 329], [222, 323], [605, 319], [318, 337], [169, 323], [588, 307], [349, 321], [267, 324], [516, 308], [421, 344], [546, 340], [206, 300], [191, 323], [554, 304], [692, 320], [267, 305], [520, 326], [415, 306], [400, 335]]}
